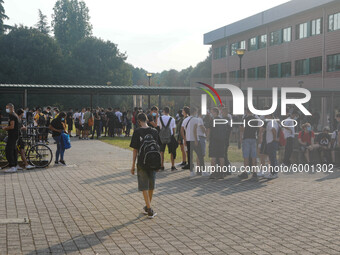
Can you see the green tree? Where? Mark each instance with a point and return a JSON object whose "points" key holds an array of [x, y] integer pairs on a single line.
{"points": [[42, 24], [71, 22], [3, 17], [29, 57]]}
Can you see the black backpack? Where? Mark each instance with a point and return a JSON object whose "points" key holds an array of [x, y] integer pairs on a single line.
{"points": [[41, 120], [149, 156]]}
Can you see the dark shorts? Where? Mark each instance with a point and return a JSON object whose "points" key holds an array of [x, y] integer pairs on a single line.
{"points": [[170, 147], [146, 179], [86, 126], [21, 144]]}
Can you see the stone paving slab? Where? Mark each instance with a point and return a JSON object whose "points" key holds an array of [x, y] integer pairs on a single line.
{"points": [[92, 206]]}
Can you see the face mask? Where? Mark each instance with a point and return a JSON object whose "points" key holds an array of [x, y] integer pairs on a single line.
{"points": [[309, 128], [154, 114], [8, 110], [62, 119]]}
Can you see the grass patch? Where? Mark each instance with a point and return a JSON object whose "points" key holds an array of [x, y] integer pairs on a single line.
{"points": [[235, 154]]}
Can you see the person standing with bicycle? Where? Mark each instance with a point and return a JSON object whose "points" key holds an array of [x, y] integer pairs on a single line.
{"points": [[57, 127], [13, 136]]}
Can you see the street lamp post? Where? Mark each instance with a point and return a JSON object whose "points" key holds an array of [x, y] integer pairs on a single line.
{"points": [[240, 53], [149, 75]]}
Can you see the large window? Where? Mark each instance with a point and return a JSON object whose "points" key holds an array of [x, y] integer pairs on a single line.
{"points": [[287, 34], [216, 53], [233, 49], [252, 44], [242, 45], [301, 67], [333, 63], [302, 31], [275, 37], [334, 22], [286, 69], [261, 72], [315, 65], [316, 27], [262, 41], [274, 71], [251, 73], [220, 52]]}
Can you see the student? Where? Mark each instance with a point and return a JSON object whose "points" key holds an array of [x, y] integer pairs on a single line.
{"points": [[119, 122], [180, 138], [248, 137], [146, 177], [69, 121], [21, 143], [323, 145], [58, 126], [128, 123], [76, 120], [87, 127], [191, 139], [289, 133], [217, 141], [13, 136], [306, 140], [272, 130], [97, 121], [335, 145], [166, 121], [225, 115]]}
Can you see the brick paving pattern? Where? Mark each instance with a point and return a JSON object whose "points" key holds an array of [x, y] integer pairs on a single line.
{"points": [[92, 206]]}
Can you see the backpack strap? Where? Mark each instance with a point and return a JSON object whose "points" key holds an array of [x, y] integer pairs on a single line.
{"points": [[188, 123], [160, 118], [168, 124]]}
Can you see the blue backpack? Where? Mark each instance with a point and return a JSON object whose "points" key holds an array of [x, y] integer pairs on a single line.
{"points": [[66, 140]]}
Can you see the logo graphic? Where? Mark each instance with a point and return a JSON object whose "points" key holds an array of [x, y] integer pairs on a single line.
{"points": [[238, 99]]}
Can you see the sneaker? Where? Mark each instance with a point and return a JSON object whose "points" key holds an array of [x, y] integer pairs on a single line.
{"points": [[162, 168], [192, 174], [56, 163], [244, 175], [173, 168], [79, 137], [62, 162], [28, 167], [205, 174], [145, 210], [13, 169], [186, 167], [19, 167], [151, 213], [182, 164]]}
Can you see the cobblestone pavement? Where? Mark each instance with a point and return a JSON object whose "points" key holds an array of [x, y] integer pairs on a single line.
{"points": [[92, 206]]}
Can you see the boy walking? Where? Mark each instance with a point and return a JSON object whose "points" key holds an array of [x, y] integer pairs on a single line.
{"points": [[146, 172]]}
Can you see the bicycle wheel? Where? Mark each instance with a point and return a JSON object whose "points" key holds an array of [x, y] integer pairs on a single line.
{"points": [[40, 155], [3, 159]]}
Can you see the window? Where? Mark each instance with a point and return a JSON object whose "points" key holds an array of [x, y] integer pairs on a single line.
{"points": [[252, 45], [333, 63], [262, 41], [315, 65], [251, 73], [301, 67], [334, 22], [216, 53], [286, 69], [261, 72], [242, 45], [316, 27], [233, 49], [287, 34], [302, 30], [274, 71], [223, 50], [275, 37]]}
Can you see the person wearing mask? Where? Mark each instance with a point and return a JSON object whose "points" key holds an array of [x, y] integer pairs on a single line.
{"points": [[82, 123], [21, 143], [180, 138], [306, 140], [153, 117], [13, 136], [96, 126], [76, 121], [57, 127], [110, 116], [119, 122], [69, 121], [323, 142], [128, 123]]}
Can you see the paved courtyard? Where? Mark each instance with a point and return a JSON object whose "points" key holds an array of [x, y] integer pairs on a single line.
{"points": [[92, 206]]}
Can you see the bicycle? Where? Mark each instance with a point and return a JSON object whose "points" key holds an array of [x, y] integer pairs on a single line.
{"points": [[37, 154]]}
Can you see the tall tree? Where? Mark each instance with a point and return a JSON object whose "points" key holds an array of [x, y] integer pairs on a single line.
{"points": [[42, 24], [71, 22], [3, 17]]}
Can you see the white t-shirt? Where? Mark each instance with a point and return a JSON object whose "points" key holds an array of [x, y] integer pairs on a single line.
{"points": [[269, 134], [287, 133], [81, 118], [189, 130], [119, 115], [336, 138], [76, 115], [199, 129], [165, 119]]}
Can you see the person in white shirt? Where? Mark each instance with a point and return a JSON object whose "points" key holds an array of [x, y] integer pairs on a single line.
{"points": [[119, 127], [289, 133], [191, 139], [162, 122], [272, 130]]}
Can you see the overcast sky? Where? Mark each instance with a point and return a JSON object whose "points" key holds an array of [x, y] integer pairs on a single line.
{"points": [[156, 35]]}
